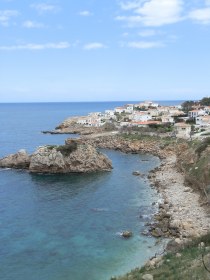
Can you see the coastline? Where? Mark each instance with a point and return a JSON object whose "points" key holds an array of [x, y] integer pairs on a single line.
{"points": [[181, 208], [187, 217]]}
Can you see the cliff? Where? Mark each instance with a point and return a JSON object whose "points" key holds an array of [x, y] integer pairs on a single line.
{"points": [[73, 157]]}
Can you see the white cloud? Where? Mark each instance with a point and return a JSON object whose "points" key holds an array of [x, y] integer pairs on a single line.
{"points": [[60, 45], [42, 8], [152, 12], [85, 13], [147, 33], [200, 15], [6, 15], [145, 45], [94, 46], [32, 24]]}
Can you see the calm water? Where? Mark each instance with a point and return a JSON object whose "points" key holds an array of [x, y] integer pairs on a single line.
{"points": [[59, 227]]}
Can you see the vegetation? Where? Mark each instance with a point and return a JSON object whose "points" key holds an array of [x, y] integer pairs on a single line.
{"points": [[202, 146], [193, 262], [109, 126], [205, 101], [155, 128], [187, 106], [66, 150], [142, 108]]}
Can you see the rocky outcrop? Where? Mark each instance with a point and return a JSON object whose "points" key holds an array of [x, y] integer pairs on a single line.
{"points": [[20, 160], [118, 142], [74, 157]]}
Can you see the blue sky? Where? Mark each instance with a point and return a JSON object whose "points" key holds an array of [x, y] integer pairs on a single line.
{"points": [[97, 50]]}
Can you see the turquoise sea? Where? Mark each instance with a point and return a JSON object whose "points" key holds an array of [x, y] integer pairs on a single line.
{"points": [[66, 227]]}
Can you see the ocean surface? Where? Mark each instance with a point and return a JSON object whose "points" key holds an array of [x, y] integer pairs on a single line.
{"points": [[66, 227]]}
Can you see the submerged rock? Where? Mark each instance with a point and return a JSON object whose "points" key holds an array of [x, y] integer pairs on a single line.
{"points": [[136, 173], [127, 234], [74, 157]]}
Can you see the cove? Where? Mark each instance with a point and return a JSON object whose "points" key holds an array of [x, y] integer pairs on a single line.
{"points": [[67, 226]]}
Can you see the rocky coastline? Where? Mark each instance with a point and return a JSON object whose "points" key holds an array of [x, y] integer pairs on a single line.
{"points": [[181, 215]]}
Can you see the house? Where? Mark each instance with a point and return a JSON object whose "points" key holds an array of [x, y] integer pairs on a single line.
{"points": [[182, 130], [203, 120], [109, 113], [154, 112], [128, 108], [167, 119], [147, 104], [144, 123], [119, 110], [141, 116], [194, 113]]}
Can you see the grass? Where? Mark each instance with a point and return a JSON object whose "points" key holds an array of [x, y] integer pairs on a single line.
{"points": [[187, 266]]}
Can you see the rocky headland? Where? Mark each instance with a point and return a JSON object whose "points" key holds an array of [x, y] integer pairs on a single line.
{"points": [[73, 157], [70, 126]]}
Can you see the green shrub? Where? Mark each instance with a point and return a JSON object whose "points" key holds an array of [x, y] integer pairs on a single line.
{"points": [[202, 146], [67, 149]]}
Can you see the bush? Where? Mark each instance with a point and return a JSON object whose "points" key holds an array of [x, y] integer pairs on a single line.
{"points": [[67, 149], [203, 145]]}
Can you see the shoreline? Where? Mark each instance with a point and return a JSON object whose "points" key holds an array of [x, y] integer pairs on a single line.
{"points": [[182, 205], [184, 215]]}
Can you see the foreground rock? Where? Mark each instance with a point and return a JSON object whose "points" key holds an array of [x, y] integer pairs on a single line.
{"points": [[74, 157]]}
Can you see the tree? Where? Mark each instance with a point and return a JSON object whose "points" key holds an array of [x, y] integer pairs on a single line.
{"points": [[205, 101], [187, 105]]}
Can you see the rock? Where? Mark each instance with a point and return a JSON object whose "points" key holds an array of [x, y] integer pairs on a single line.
{"points": [[73, 157], [173, 246], [178, 241], [136, 173], [147, 277], [201, 245], [20, 160], [127, 234], [62, 159], [178, 255], [157, 232], [186, 226], [174, 224], [187, 189]]}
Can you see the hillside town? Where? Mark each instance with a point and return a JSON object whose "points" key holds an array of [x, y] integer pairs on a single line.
{"points": [[179, 121]]}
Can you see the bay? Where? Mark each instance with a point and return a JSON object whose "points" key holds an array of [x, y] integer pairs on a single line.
{"points": [[67, 226]]}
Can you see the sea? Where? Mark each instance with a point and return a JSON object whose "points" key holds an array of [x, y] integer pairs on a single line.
{"points": [[67, 227]]}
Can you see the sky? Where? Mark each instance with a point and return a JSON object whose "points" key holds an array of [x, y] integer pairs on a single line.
{"points": [[104, 50]]}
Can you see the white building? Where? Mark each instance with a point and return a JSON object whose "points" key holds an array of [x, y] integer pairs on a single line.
{"points": [[195, 113], [203, 120], [167, 119], [182, 130], [119, 110], [141, 117]]}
